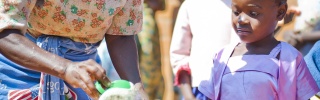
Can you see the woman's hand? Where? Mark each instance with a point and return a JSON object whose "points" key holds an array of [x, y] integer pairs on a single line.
{"points": [[140, 93], [83, 75], [293, 38], [185, 86], [78, 74]]}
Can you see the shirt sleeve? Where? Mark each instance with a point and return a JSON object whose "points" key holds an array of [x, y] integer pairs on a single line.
{"points": [[184, 67], [181, 40], [306, 85], [206, 87], [128, 20], [14, 14]]}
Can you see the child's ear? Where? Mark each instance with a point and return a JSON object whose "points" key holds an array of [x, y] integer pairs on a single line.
{"points": [[282, 10]]}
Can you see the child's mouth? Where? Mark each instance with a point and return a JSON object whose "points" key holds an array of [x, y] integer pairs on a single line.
{"points": [[242, 31]]}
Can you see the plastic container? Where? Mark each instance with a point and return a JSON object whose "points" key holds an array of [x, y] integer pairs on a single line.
{"points": [[116, 90]]}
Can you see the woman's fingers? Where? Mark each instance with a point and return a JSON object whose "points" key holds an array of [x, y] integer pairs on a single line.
{"points": [[105, 82], [87, 84], [95, 69], [98, 72], [295, 10], [84, 74]]}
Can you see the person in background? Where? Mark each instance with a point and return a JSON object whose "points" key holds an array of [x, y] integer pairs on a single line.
{"points": [[149, 50], [201, 29], [61, 41], [259, 67], [305, 34], [307, 26]]}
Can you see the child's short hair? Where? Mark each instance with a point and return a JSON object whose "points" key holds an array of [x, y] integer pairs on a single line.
{"points": [[280, 2]]}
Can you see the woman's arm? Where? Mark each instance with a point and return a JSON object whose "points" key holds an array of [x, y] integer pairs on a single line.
{"points": [[156, 4], [311, 36], [21, 50], [124, 56], [185, 85]]}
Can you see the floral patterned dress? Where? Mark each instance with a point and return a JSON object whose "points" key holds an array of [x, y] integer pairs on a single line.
{"points": [[83, 23], [81, 20]]}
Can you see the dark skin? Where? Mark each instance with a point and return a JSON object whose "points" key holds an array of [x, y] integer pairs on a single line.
{"points": [[124, 54], [185, 85], [254, 22], [155, 5], [78, 74]]}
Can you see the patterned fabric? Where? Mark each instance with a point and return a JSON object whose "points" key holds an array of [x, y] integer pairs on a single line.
{"points": [[149, 56], [80, 20], [16, 81], [19, 78], [54, 88], [20, 94]]}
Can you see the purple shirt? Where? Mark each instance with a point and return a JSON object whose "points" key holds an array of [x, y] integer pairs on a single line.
{"points": [[260, 77]]}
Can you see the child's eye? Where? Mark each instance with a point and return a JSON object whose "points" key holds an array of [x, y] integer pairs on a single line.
{"points": [[236, 13], [254, 13]]}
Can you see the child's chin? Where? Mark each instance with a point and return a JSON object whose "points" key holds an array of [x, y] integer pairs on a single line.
{"points": [[243, 40], [246, 41]]}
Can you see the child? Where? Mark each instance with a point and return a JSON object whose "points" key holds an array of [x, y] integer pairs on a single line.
{"points": [[259, 67]]}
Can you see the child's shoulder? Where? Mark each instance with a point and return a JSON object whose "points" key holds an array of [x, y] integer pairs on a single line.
{"points": [[289, 53], [226, 50], [288, 46], [288, 49]]}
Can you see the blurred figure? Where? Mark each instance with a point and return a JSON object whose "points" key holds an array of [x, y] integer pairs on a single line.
{"points": [[307, 26], [199, 32], [305, 35], [149, 50], [308, 29], [313, 63]]}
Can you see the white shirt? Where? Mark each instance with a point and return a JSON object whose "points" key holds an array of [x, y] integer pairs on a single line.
{"points": [[202, 28]]}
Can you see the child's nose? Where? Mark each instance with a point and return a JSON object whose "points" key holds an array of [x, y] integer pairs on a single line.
{"points": [[242, 20]]}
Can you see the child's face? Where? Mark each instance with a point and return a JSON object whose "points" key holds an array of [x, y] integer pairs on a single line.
{"points": [[254, 20]]}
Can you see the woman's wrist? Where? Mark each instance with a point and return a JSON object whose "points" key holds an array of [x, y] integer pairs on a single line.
{"points": [[138, 86], [185, 77], [141, 94], [61, 68]]}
